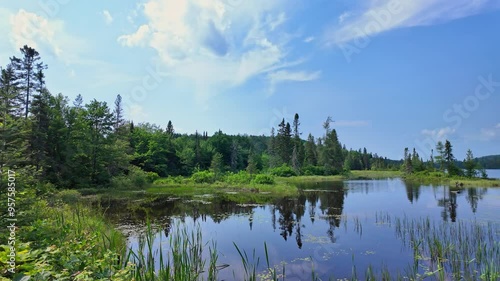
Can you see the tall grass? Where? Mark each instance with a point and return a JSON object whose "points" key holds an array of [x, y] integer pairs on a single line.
{"points": [[465, 250], [183, 261]]}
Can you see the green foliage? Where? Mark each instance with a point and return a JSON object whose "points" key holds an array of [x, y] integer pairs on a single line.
{"points": [[152, 176], [313, 171], [65, 242], [470, 165], [69, 196], [283, 171], [203, 177], [242, 177], [135, 179], [263, 179], [172, 180]]}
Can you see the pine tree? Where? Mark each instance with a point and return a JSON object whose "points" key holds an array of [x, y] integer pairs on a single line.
{"points": [[118, 113], [170, 128], [217, 165], [11, 129], [440, 157], [470, 165], [449, 159], [27, 69], [310, 158]]}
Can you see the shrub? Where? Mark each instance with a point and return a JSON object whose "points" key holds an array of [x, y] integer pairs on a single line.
{"points": [[203, 177], [283, 171], [314, 171], [152, 176], [263, 179], [171, 180], [69, 196], [242, 177]]}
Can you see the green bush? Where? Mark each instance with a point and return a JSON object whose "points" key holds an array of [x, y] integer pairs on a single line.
{"points": [[283, 171], [313, 171], [263, 179], [69, 196], [242, 177], [152, 176], [203, 177], [121, 182], [135, 179], [171, 180]]}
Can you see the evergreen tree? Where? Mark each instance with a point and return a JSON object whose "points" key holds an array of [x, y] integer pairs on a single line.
{"points": [[407, 162], [100, 122], [118, 112], [234, 155], [272, 150], [11, 129], [470, 165], [217, 165], [310, 152], [440, 157], [27, 69], [170, 128], [449, 160]]}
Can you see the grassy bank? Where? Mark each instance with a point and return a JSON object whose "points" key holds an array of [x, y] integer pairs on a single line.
{"points": [[443, 179], [58, 238], [244, 183]]}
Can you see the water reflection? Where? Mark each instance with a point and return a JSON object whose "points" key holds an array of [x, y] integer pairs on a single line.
{"points": [[412, 191], [288, 215]]}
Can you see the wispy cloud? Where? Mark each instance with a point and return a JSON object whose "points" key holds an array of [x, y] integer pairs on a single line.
{"points": [[309, 39], [107, 17], [213, 45], [343, 17], [440, 134], [282, 76], [384, 15], [491, 133]]}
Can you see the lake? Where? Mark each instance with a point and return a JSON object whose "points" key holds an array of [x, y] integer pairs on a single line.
{"points": [[336, 225], [493, 173]]}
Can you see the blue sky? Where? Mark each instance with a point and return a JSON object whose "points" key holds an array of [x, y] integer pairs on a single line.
{"points": [[391, 73]]}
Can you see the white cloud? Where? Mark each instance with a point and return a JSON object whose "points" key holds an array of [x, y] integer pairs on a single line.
{"points": [[281, 76], [344, 16], [351, 123], [46, 35], [441, 134], [491, 133], [309, 39], [214, 45], [384, 15], [107, 17], [136, 39]]}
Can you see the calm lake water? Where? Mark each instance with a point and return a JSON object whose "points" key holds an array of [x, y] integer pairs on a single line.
{"points": [[493, 174], [335, 224]]}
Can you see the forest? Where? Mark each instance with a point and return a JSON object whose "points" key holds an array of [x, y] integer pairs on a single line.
{"points": [[78, 144]]}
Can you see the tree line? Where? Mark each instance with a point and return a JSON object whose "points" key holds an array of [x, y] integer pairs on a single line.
{"points": [[77, 144], [74, 144], [444, 162]]}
